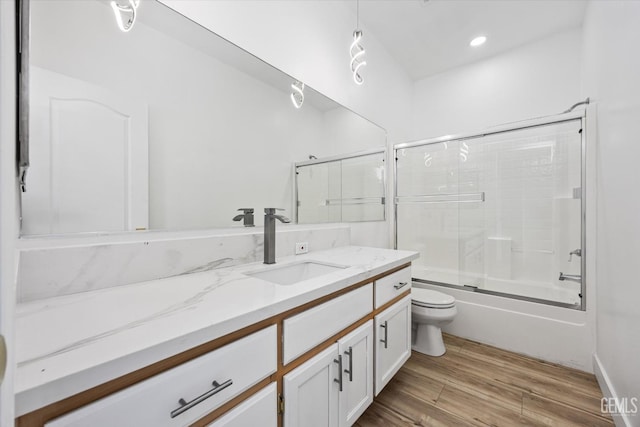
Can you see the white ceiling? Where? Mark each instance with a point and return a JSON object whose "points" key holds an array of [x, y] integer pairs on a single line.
{"points": [[429, 37]]}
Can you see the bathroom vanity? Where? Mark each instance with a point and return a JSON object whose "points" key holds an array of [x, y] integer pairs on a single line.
{"points": [[235, 346]]}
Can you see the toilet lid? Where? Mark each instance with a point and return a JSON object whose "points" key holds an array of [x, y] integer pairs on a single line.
{"points": [[429, 298]]}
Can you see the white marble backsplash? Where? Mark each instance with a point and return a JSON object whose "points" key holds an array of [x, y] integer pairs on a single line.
{"points": [[56, 266]]}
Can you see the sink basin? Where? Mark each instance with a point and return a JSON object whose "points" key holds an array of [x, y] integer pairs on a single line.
{"points": [[296, 272]]}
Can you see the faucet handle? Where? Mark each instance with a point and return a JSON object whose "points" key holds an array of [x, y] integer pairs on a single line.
{"points": [[575, 252], [247, 216], [271, 211]]}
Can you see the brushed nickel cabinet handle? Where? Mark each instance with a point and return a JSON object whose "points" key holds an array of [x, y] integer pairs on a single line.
{"points": [[401, 285], [384, 325], [185, 406], [350, 370], [339, 379]]}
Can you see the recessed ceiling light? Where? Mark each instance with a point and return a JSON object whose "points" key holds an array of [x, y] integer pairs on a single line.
{"points": [[478, 41]]}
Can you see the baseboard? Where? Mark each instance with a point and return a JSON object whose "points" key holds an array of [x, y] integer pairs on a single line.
{"points": [[608, 391]]}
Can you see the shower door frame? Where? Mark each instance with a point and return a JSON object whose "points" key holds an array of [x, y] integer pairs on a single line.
{"points": [[509, 127]]}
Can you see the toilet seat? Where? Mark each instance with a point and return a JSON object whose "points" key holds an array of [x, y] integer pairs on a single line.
{"points": [[431, 299]]}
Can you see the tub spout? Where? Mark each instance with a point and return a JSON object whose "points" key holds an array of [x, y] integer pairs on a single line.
{"points": [[571, 277]]}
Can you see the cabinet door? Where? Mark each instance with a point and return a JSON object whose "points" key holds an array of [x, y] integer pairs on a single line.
{"points": [[357, 373], [311, 392], [393, 340], [261, 409]]}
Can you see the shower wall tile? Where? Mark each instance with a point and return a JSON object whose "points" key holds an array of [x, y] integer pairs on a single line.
{"points": [[47, 271]]}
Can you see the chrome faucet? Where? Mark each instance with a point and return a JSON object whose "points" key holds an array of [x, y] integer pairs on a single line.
{"points": [[570, 277], [270, 233], [247, 216]]}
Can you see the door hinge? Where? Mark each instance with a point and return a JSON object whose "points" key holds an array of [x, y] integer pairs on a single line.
{"points": [[280, 404]]}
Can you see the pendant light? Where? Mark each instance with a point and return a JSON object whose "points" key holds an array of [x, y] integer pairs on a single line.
{"points": [[356, 50]]}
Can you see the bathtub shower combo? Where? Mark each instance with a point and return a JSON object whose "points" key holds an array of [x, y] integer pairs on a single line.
{"points": [[500, 212]]}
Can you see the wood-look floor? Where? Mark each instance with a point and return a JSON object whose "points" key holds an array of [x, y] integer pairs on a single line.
{"points": [[478, 385]]}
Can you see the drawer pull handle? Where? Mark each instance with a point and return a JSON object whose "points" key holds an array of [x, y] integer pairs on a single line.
{"points": [[350, 370], [339, 379], [384, 325], [400, 285], [185, 406]]}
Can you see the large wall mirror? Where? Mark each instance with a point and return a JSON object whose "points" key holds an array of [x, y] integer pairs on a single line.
{"points": [[164, 127]]}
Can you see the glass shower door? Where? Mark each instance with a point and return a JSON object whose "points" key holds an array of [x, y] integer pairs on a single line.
{"points": [[472, 213], [427, 214], [532, 182], [498, 213]]}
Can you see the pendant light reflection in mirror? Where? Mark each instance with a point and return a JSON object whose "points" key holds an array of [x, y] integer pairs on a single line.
{"points": [[125, 12], [297, 94]]}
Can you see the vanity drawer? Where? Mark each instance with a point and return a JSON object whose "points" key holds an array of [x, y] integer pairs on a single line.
{"points": [[392, 285], [155, 401], [306, 330], [261, 409]]}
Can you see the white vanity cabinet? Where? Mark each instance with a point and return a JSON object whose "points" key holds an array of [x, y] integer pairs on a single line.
{"points": [[393, 341], [186, 393], [336, 352], [334, 387]]}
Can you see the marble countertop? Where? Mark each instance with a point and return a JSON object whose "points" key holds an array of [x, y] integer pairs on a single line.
{"points": [[68, 344]]}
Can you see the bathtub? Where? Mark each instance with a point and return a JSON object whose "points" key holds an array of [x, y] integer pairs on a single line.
{"points": [[554, 334]]}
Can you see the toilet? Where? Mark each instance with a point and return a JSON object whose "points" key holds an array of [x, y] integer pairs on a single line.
{"points": [[430, 310]]}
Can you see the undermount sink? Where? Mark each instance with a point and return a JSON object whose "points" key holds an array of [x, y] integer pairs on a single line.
{"points": [[291, 274]]}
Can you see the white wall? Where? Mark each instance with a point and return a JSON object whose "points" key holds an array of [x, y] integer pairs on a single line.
{"points": [[538, 79], [611, 79]]}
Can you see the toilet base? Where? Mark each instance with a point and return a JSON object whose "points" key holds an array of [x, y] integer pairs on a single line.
{"points": [[428, 340]]}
